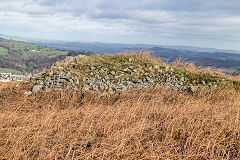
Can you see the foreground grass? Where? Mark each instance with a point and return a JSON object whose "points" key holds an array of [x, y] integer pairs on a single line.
{"points": [[154, 124], [4, 85]]}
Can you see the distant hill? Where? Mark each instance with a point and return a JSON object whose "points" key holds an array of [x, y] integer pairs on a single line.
{"points": [[22, 57], [116, 47], [57, 50], [99, 47], [227, 61], [200, 49], [205, 57]]}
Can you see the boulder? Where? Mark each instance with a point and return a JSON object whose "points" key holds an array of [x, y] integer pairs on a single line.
{"points": [[37, 88]]}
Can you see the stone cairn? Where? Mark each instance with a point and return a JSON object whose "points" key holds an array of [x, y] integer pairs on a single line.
{"points": [[108, 81]]}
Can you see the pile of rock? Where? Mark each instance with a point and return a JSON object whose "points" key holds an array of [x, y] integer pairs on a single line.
{"points": [[58, 80], [111, 79], [108, 82], [131, 78]]}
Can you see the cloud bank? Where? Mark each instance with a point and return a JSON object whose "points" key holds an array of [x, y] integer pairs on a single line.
{"points": [[206, 23]]}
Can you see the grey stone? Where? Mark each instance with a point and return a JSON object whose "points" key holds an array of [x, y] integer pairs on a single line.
{"points": [[131, 67], [36, 88], [71, 81], [85, 88], [102, 87], [85, 79], [92, 68], [156, 67], [112, 72], [193, 88], [147, 79], [125, 69], [182, 79], [77, 82], [151, 81], [68, 75], [166, 68], [28, 93], [215, 86], [203, 82]]}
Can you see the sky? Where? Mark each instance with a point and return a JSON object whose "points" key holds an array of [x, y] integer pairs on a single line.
{"points": [[203, 23]]}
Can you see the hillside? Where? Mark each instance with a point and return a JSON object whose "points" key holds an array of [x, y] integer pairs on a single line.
{"points": [[227, 61], [22, 57], [149, 122]]}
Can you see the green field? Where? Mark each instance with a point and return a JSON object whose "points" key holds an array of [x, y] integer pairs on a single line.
{"points": [[26, 54], [3, 51], [24, 57], [18, 56], [23, 46], [27, 50], [7, 70], [52, 53]]}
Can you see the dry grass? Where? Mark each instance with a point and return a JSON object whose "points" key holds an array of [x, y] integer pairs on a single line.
{"points": [[143, 53], [180, 62], [6, 84], [154, 124], [151, 124]]}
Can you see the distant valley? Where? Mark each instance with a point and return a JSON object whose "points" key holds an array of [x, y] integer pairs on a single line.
{"points": [[22, 57], [229, 60], [32, 56]]}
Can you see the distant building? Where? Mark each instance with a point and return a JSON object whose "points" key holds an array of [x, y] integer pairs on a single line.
{"points": [[7, 77]]}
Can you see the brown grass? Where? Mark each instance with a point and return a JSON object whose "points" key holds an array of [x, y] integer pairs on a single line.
{"points": [[150, 124], [144, 53], [180, 62], [7, 84], [154, 124], [141, 53]]}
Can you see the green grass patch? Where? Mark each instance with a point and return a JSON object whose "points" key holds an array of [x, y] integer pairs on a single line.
{"points": [[50, 54], [23, 46], [3, 51], [26, 54], [54, 53], [8, 70]]}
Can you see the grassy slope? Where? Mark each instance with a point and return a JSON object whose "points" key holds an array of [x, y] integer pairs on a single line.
{"points": [[150, 124], [7, 70], [137, 125], [22, 46], [24, 51], [4, 85], [3, 51]]}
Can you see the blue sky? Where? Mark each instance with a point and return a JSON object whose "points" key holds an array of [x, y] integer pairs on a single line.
{"points": [[204, 23]]}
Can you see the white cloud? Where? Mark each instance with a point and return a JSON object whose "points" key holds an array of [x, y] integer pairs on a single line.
{"points": [[186, 22]]}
